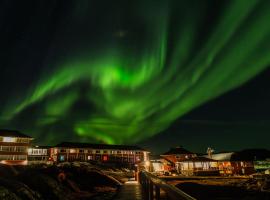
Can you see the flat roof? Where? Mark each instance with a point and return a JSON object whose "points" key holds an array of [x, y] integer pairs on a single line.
{"points": [[12, 133], [98, 146]]}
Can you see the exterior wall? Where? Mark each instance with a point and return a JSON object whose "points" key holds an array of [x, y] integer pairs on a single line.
{"points": [[61, 154], [160, 165], [38, 155], [13, 150], [236, 167], [197, 168]]}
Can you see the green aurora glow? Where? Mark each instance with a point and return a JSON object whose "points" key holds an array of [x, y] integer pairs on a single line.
{"points": [[141, 90]]}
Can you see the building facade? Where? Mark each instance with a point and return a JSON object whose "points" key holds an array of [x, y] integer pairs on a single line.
{"points": [[14, 147], [199, 165], [39, 154], [233, 163], [69, 151]]}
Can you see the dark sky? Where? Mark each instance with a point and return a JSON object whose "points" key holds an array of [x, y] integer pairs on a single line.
{"points": [[159, 74], [236, 120]]}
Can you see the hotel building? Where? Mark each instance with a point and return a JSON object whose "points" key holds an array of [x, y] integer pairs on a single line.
{"points": [[14, 147], [69, 151]]}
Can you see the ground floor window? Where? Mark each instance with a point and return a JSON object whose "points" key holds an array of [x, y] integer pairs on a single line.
{"points": [[62, 158]]}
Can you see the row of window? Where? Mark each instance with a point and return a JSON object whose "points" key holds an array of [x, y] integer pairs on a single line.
{"points": [[13, 148], [13, 157], [98, 151], [14, 139], [98, 158], [37, 151], [37, 158]]}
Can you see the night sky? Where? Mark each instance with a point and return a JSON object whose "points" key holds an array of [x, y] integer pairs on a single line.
{"points": [[155, 73]]}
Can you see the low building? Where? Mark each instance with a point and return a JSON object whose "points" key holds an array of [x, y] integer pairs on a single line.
{"points": [[197, 166], [160, 165], [39, 154], [14, 147], [233, 163], [70, 151], [177, 154]]}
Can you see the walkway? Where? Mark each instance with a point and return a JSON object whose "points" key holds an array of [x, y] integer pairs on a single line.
{"points": [[131, 190]]}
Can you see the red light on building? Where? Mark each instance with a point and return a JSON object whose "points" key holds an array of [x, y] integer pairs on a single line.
{"points": [[105, 158]]}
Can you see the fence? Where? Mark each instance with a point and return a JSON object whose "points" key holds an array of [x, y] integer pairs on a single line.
{"points": [[152, 186]]}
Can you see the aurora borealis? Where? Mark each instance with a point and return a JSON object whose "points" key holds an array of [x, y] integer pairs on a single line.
{"points": [[121, 72]]}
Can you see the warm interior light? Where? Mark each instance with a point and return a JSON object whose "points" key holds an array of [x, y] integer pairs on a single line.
{"points": [[8, 139], [72, 151], [147, 163]]}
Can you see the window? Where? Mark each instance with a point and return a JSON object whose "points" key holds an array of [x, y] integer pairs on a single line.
{"points": [[63, 150], [138, 158], [62, 158], [72, 150], [8, 148], [89, 157], [119, 152], [105, 151], [6, 157], [97, 151], [22, 140], [81, 151], [105, 158], [21, 149], [9, 139], [19, 157]]}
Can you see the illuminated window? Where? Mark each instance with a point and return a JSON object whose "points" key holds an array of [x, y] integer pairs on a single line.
{"points": [[72, 151], [145, 157], [30, 150], [8, 139], [105, 158], [90, 157], [62, 158]]}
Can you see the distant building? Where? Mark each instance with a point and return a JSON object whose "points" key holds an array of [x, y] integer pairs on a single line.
{"points": [[177, 154], [159, 164], [233, 163], [14, 147], [197, 166], [39, 154], [70, 151]]}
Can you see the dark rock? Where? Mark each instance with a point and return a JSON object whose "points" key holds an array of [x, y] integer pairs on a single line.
{"points": [[6, 194]]}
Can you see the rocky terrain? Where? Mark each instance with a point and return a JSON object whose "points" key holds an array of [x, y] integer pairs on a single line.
{"points": [[252, 188], [67, 181]]}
